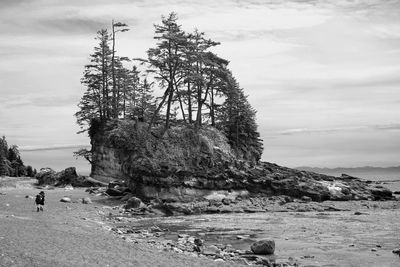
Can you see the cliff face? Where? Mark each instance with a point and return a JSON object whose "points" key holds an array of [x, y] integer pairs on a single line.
{"points": [[185, 165]]}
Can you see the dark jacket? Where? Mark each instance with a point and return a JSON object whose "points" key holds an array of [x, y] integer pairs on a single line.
{"points": [[39, 199]]}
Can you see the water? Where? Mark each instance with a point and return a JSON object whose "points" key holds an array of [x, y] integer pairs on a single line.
{"points": [[312, 238]]}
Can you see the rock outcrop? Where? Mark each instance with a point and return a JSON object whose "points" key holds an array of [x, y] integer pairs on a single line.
{"points": [[47, 176], [182, 165]]}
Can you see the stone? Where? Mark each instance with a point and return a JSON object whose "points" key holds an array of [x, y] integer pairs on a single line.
{"points": [[68, 187], [211, 250], [226, 201], [86, 200], [46, 176], [381, 193], [133, 203], [67, 176], [66, 200], [113, 192], [198, 242], [306, 198], [263, 247], [242, 237], [396, 251]]}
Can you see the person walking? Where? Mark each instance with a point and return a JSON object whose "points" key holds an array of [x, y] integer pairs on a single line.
{"points": [[39, 200]]}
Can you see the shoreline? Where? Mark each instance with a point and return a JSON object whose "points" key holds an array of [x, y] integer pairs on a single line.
{"points": [[341, 233]]}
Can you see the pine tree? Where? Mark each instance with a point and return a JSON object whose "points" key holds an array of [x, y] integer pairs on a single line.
{"points": [[96, 103], [3, 166], [116, 87], [165, 61], [3, 157], [237, 119]]}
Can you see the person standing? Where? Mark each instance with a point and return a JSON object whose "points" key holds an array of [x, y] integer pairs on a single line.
{"points": [[39, 200]]}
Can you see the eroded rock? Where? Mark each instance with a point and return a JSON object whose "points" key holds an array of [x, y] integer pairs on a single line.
{"points": [[263, 247], [133, 203]]}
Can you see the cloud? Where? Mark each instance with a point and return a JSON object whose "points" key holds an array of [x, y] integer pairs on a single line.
{"points": [[52, 147], [54, 101], [338, 129]]}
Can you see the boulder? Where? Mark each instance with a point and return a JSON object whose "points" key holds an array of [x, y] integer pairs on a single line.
{"points": [[46, 176], [226, 201], [381, 193], [211, 250], [65, 200], [263, 247], [67, 176], [133, 203], [86, 200]]}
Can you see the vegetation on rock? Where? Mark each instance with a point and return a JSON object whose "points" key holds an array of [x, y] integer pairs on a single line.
{"points": [[198, 89]]}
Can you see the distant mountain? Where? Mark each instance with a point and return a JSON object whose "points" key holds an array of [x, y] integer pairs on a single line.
{"points": [[367, 172]]}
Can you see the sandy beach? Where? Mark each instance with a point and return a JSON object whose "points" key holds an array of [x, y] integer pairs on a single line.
{"points": [[360, 233]]}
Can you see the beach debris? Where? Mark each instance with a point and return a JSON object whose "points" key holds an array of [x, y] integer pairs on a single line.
{"points": [[263, 247]]}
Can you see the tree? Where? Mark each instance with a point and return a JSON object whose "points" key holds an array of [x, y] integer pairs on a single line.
{"points": [[96, 102], [13, 153], [3, 157], [29, 171], [3, 166], [145, 105], [84, 153], [116, 27], [11, 163], [237, 121], [165, 61]]}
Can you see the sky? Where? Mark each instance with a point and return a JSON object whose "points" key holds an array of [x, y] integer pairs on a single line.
{"points": [[324, 76]]}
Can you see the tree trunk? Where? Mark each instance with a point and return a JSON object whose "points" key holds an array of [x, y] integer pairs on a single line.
{"points": [[189, 104], [113, 70], [171, 93]]}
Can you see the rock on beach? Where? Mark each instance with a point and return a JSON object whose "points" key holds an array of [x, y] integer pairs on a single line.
{"points": [[263, 247]]}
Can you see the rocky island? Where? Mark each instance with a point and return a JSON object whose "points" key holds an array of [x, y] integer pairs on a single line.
{"points": [[186, 165]]}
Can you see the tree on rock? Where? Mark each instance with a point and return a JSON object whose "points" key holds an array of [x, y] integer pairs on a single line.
{"points": [[166, 60], [96, 101], [237, 119]]}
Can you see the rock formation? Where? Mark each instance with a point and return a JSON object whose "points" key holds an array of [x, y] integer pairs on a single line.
{"points": [[184, 165], [47, 176]]}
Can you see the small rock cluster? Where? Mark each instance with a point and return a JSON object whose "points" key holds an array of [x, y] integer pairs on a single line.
{"points": [[196, 247]]}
